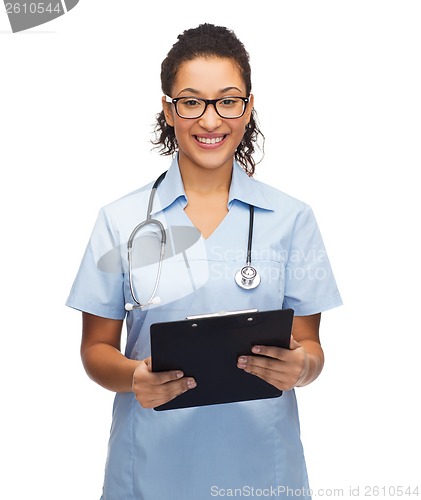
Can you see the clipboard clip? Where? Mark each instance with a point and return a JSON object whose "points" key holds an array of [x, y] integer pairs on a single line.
{"points": [[222, 313]]}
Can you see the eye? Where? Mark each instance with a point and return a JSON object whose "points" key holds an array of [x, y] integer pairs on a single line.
{"points": [[190, 102], [229, 102]]}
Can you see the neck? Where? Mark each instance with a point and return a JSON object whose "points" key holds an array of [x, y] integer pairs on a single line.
{"points": [[206, 180]]}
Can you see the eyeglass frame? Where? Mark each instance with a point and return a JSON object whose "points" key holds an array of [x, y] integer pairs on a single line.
{"points": [[171, 100]]}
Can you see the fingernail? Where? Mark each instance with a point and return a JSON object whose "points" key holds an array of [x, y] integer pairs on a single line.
{"points": [[191, 384], [179, 374], [256, 349], [242, 361]]}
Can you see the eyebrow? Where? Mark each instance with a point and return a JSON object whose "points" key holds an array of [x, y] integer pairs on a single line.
{"points": [[197, 92]]}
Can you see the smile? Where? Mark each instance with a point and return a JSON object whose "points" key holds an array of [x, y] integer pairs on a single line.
{"points": [[210, 141]]}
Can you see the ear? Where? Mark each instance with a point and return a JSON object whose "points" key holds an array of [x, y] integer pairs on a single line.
{"points": [[168, 112]]}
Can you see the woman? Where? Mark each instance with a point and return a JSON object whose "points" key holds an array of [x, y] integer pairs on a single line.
{"points": [[208, 124]]}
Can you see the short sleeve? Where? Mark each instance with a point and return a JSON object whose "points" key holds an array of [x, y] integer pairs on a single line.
{"points": [[97, 290], [310, 286]]}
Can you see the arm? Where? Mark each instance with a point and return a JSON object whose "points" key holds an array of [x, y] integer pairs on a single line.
{"points": [[294, 367], [106, 365], [101, 356]]}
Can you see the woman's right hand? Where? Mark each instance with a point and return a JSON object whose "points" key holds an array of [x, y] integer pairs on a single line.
{"points": [[156, 388]]}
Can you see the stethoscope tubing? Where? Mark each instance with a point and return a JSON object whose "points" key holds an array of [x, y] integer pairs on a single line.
{"points": [[250, 237], [147, 221], [247, 277], [161, 259]]}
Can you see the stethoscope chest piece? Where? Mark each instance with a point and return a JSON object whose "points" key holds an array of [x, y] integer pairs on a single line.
{"points": [[247, 277]]}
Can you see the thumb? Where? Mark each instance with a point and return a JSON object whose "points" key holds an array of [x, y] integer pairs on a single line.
{"points": [[293, 344]]}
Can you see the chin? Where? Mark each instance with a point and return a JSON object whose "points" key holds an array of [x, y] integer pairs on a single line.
{"points": [[211, 160], [211, 164]]}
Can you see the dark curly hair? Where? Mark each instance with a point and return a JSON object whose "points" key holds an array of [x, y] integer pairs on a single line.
{"points": [[207, 40]]}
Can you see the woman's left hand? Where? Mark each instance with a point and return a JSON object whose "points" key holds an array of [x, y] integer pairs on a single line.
{"points": [[282, 368]]}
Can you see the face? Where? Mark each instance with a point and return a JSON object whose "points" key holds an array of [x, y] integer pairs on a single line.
{"points": [[208, 142]]}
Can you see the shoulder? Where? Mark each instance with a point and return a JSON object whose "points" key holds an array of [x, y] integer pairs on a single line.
{"points": [[129, 206], [279, 200], [120, 216], [133, 197]]}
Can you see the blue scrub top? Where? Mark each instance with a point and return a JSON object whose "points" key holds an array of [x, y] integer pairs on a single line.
{"points": [[219, 450]]}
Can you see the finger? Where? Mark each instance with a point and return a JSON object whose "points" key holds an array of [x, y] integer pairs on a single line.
{"points": [[271, 371], [173, 389], [264, 369], [167, 392], [161, 378], [144, 374], [270, 351], [263, 366]]}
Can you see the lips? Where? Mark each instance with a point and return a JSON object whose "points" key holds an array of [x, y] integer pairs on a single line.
{"points": [[209, 141]]}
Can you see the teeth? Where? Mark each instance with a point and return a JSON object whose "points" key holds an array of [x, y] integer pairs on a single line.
{"points": [[207, 140]]}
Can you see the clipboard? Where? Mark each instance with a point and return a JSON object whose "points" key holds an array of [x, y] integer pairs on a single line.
{"points": [[207, 348]]}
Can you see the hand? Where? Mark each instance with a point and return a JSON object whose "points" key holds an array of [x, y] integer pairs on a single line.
{"points": [[282, 368], [154, 389]]}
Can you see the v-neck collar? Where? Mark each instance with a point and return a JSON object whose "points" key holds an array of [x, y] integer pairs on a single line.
{"points": [[243, 188]]}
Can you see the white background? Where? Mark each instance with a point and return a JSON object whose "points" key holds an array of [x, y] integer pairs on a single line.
{"points": [[337, 90]]}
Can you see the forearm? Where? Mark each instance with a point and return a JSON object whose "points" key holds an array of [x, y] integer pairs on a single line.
{"points": [[108, 367], [314, 364]]}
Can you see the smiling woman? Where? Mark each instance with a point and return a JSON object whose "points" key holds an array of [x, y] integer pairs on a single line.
{"points": [[208, 123], [215, 80], [213, 42]]}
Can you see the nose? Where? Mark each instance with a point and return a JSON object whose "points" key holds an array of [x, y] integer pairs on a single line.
{"points": [[210, 120]]}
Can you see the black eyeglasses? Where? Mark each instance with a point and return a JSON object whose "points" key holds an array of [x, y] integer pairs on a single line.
{"points": [[195, 107]]}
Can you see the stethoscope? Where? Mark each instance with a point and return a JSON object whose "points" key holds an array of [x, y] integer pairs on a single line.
{"points": [[247, 277]]}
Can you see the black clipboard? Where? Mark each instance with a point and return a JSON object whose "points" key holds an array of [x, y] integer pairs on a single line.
{"points": [[207, 348]]}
